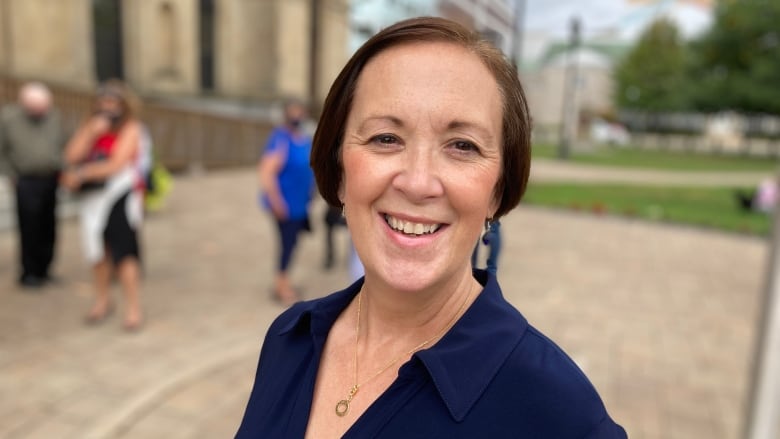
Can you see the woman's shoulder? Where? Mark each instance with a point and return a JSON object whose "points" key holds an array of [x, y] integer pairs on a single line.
{"points": [[548, 367], [543, 375], [299, 315], [291, 316]]}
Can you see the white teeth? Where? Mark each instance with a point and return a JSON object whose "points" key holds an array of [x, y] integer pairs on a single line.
{"points": [[410, 228]]}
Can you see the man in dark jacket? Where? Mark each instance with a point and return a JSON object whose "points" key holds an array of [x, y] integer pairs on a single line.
{"points": [[31, 142]]}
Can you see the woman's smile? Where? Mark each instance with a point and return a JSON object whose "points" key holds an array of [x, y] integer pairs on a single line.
{"points": [[410, 227]]}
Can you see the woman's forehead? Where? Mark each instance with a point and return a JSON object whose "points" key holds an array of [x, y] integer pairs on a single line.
{"points": [[437, 78]]}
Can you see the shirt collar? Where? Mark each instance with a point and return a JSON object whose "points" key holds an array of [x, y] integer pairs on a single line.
{"points": [[319, 315], [468, 357], [464, 361]]}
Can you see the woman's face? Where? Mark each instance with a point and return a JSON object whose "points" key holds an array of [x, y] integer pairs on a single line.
{"points": [[421, 158], [109, 105]]}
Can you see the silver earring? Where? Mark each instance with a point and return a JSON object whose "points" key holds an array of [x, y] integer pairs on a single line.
{"points": [[344, 210], [488, 221]]}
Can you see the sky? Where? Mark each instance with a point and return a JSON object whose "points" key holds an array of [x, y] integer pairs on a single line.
{"points": [[548, 20], [620, 21], [625, 17]]}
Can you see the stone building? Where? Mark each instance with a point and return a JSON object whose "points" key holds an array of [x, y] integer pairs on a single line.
{"points": [[235, 49], [496, 20], [544, 84]]}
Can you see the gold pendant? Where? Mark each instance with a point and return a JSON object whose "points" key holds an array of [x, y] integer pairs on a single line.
{"points": [[342, 407]]}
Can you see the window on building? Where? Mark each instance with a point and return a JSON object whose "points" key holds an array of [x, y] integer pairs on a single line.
{"points": [[207, 44], [107, 25]]}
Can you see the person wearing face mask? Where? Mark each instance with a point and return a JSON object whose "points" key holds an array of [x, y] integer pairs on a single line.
{"points": [[287, 185], [31, 141], [103, 167]]}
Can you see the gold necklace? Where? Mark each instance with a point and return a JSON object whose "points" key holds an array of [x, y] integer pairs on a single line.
{"points": [[342, 407]]}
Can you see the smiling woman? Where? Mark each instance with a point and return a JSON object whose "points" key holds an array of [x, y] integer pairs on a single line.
{"points": [[425, 138], [427, 161]]}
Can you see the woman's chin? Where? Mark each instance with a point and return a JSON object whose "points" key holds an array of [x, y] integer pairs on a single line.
{"points": [[412, 277]]}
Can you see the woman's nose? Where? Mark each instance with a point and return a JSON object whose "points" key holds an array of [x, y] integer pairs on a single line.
{"points": [[419, 177]]}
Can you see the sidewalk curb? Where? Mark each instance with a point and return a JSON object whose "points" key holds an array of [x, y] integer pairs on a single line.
{"points": [[127, 414]]}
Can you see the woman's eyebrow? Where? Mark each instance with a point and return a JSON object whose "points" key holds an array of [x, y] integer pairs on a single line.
{"points": [[379, 118], [461, 124]]}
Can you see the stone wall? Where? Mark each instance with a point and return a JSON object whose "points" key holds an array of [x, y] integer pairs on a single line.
{"points": [[261, 47], [161, 46], [57, 33], [244, 54], [292, 47], [332, 45]]}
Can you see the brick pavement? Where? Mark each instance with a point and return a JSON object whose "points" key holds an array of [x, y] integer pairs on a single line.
{"points": [[660, 317]]}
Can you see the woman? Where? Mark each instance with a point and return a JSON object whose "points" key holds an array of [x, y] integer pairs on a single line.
{"points": [[426, 139], [102, 159], [287, 183]]}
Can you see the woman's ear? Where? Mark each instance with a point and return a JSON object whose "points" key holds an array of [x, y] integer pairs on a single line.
{"points": [[493, 208], [340, 192]]}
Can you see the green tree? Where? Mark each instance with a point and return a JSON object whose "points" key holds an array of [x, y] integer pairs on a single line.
{"points": [[736, 65], [651, 77]]}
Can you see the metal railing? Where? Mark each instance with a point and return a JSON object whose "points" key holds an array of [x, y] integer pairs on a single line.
{"points": [[184, 138]]}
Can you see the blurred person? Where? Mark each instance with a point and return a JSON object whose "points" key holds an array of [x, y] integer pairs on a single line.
{"points": [[333, 219], [763, 199], [31, 142], [492, 239], [103, 158], [425, 134], [287, 185]]}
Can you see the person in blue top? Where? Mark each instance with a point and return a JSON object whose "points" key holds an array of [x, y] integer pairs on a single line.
{"points": [[287, 184], [425, 135], [492, 239]]}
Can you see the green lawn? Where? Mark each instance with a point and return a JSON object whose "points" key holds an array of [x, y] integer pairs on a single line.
{"points": [[708, 207], [636, 158]]}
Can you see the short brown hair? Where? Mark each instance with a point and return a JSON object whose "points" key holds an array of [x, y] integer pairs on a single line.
{"points": [[516, 124]]}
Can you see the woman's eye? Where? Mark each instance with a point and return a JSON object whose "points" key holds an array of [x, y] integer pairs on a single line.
{"points": [[384, 139], [464, 146]]}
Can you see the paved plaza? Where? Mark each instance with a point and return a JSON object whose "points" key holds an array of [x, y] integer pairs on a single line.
{"points": [[660, 317]]}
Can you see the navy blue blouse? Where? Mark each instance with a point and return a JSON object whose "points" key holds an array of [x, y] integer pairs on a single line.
{"points": [[491, 376]]}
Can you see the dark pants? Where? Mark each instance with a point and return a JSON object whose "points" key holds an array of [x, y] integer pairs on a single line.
{"points": [[288, 234], [333, 219], [36, 201]]}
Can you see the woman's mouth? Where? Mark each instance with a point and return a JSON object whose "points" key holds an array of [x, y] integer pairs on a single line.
{"points": [[411, 228]]}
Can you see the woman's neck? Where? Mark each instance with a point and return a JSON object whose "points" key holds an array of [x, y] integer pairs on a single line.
{"points": [[388, 314]]}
